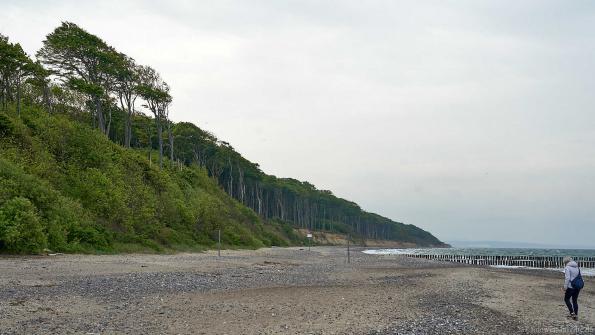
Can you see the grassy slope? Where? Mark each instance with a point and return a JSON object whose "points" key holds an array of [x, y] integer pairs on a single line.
{"points": [[66, 187]]}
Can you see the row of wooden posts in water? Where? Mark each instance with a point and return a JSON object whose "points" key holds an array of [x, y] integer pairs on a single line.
{"points": [[527, 261]]}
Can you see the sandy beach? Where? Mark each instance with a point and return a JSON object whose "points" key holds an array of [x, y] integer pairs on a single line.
{"points": [[280, 291]]}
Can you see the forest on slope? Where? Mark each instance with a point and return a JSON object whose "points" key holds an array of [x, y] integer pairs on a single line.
{"points": [[66, 187], [90, 160]]}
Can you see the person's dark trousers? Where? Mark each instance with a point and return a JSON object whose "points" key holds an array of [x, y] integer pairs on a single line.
{"points": [[572, 293]]}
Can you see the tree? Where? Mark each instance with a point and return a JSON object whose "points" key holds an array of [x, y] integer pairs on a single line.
{"points": [[15, 68], [155, 92], [127, 76], [6, 69], [170, 135], [83, 61], [39, 79]]}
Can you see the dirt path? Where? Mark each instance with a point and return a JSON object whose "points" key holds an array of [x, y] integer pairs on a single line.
{"points": [[279, 291]]}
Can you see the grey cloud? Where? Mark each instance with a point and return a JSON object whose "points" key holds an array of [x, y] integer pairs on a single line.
{"points": [[471, 119]]}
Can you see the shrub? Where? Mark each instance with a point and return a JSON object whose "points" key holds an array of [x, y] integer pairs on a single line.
{"points": [[20, 227]]}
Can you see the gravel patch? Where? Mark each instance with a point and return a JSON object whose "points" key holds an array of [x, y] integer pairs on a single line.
{"points": [[277, 291]]}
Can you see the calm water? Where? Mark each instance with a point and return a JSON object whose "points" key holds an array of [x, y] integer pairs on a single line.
{"points": [[494, 252], [489, 252]]}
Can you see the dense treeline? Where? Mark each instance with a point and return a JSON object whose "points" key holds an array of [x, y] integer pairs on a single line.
{"points": [[78, 71], [81, 82], [285, 199]]}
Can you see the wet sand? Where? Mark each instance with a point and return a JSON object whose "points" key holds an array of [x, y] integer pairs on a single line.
{"points": [[280, 291]]}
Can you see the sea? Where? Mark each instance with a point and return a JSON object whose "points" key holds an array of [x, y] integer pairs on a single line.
{"points": [[494, 252]]}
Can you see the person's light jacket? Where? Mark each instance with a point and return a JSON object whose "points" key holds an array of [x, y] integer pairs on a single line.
{"points": [[570, 272]]}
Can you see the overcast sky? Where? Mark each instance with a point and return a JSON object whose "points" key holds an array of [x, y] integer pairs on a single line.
{"points": [[474, 120]]}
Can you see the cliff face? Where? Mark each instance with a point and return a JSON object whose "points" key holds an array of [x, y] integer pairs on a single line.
{"points": [[327, 238]]}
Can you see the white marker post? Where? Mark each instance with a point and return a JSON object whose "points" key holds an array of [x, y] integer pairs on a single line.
{"points": [[348, 255], [219, 243]]}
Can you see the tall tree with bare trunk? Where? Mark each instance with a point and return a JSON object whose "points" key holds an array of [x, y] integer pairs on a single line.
{"points": [[155, 92], [83, 61], [127, 76]]}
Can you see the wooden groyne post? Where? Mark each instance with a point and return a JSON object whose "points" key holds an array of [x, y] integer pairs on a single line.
{"points": [[549, 262]]}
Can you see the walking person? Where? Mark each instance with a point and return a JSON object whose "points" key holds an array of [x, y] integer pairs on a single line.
{"points": [[573, 283]]}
